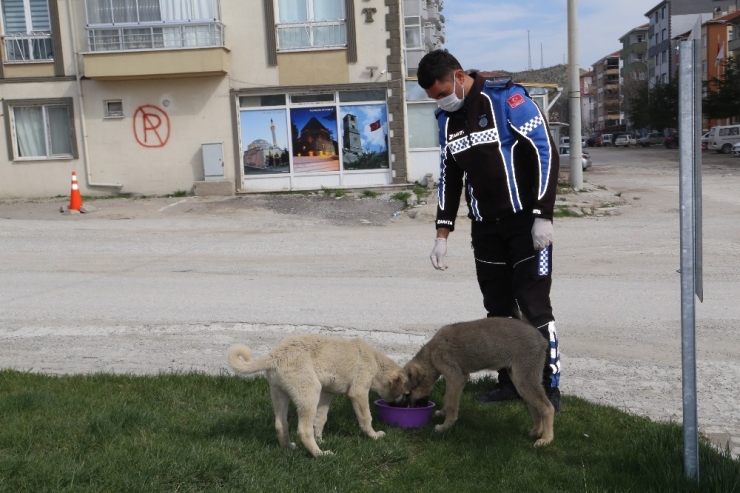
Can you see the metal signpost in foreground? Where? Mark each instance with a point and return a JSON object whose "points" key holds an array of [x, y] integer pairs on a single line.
{"points": [[689, 137]]}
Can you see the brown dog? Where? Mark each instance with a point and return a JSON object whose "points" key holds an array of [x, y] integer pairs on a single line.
{"points": [[460, 349], [310, 370]]}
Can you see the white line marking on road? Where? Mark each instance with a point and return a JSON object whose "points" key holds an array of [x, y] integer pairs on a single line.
{"points": [[172, 205]]}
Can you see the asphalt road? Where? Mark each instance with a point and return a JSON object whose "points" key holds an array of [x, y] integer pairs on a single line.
{"points": [[144, 286]]}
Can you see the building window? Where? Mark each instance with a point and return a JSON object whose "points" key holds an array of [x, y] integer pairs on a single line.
{"points": [[703, 40], [313, 133], [413, 31], [113, 108], [119, 25], [26, 31], [639, 38], [664, 35], [662, 13], [311, 24], [41, 129]]}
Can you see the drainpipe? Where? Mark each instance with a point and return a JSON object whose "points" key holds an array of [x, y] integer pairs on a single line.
{"points": [[83, 124]]}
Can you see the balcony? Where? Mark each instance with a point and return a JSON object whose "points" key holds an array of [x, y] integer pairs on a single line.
{"points": [[28, 48], [734, 45], [156, 50], [311, 35]]}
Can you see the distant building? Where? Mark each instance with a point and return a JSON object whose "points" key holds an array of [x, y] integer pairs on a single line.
{"points": [[609, 116], [424, 30], [716, 36], [588, 103], [635, 64], [669, 19]]}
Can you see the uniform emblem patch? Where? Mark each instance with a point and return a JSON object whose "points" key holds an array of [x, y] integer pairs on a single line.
{"points": [[515, 100], [482, 121]]}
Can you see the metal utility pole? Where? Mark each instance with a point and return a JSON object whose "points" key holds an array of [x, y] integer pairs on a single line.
{"points": [[529, 53], [574, 98], [689, 138]]}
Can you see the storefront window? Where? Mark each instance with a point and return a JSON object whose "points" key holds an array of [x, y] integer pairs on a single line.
{"points": [[307, 133], [364, 136], [423, 129], [265, 142]]}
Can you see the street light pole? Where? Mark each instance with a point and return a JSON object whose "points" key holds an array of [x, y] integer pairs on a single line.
{"points": [[574, 97]]}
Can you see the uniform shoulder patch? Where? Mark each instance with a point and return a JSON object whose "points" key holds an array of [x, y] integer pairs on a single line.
{"points": [[502, 83], [515, 100]]}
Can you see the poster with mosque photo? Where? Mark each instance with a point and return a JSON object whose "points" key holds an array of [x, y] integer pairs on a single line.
{"points": [[364, 136], [265, 142], [314, 134]]}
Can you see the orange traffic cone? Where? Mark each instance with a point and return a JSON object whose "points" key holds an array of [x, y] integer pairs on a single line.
{"points": [[75, 199]]}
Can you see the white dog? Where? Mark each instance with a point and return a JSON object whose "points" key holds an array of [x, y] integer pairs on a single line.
{"points": [[310, 370]]}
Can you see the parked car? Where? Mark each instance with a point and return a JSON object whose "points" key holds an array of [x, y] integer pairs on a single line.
{"points": [[736, 150], [607, 140], [653, 138], [671, 141], [705, 141], [591, 141], [564, 152], [597, 142], [625, 140], [722, 138]]}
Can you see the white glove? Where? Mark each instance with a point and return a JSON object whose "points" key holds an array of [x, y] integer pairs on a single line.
{"points": [[542, 233], [438, 253]]}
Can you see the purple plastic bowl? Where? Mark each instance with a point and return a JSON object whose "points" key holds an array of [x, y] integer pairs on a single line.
{"points": [[404, 417]]}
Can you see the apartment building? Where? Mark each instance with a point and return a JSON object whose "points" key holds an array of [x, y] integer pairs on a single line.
{"points": [[668, 19], [154, 96], [635, 63], [733, 46], [609, 116], [423, 32], [716, 34], [588, 103]]}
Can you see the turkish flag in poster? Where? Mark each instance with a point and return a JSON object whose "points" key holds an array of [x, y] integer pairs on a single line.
{"points": [[375, 125]]}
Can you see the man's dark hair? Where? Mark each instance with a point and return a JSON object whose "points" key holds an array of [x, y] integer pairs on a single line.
{"points": [[436, 65]]}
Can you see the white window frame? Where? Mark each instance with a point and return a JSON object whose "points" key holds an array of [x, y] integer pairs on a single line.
{"points": [[9, 110], [408, 25], [28, 37], [149, 35], [309, 25], [107, 109]]}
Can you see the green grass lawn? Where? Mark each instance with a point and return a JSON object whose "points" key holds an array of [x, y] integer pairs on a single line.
{"points": [[195, 432]]}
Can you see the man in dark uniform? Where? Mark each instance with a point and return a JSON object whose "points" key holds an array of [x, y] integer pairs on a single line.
{"points": [[495, 142]]}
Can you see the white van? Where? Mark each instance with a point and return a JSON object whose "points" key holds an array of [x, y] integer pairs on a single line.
{"points": [[723, 137], [607, 140]]}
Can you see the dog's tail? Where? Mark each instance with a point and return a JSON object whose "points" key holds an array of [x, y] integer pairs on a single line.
{"points": [[240, 359]]}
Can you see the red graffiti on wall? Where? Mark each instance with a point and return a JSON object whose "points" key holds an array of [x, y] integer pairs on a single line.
{"points": [[151, 126]]}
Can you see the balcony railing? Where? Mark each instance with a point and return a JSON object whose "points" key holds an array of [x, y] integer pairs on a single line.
{"points": [[33, 47], [155, 36], [292, 36]]}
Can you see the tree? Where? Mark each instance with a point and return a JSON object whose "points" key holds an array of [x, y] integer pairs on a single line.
{"points": [[663, 105], [636, 102], [723, 94]]}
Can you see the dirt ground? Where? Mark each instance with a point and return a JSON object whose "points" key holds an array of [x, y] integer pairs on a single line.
{"points": [[167, 284]]}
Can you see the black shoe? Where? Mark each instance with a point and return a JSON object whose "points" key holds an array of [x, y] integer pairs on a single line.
{"points": [[553, 395], [499, 393]]}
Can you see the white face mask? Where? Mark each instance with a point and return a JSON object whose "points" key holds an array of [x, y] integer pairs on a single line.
{"points": [[452, 102]]}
